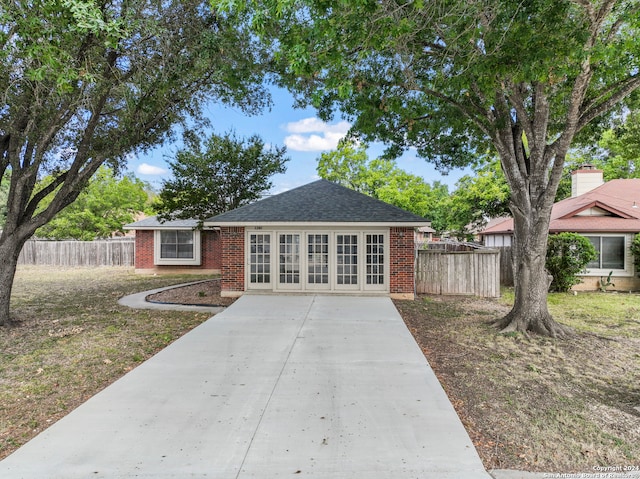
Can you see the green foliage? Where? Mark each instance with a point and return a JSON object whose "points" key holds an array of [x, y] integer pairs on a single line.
{"points": [[477, 198], [617, 154], [567, 256], [350, 166], [228, 173], [635, 250], [453, 79], [85, 83], [4, 197], [101, 210], [606, 282], [622, 149]]}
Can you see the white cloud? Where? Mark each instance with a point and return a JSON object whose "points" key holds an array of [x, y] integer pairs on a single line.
{"points": [[147, 169], [312, 134]]}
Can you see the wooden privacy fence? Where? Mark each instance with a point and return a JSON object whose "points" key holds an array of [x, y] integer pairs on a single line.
{"points": [[506, 268], [78, 253], [459, 272]]}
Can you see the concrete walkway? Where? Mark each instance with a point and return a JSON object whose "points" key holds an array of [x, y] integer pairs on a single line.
{"points": [[274, 386]]}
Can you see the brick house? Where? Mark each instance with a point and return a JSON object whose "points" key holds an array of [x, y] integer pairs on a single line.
{"points": [[175, 247], [321, 238], [608, 214]]}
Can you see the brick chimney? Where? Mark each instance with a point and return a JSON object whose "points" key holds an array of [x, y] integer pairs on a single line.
{"points": [[585, 179]]}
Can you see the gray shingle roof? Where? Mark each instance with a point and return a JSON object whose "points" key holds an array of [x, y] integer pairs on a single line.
{"points": [[319, 202]]}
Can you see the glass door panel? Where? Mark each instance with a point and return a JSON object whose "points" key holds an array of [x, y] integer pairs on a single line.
{"points": [[347, 261], [289, 262], [374, 261], [318, 261], [260, 260]]}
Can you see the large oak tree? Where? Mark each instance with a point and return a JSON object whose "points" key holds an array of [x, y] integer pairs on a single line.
{"points": [[455, 78], [84, 82]]}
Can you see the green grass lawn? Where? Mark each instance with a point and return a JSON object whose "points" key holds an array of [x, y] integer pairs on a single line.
{"points": [[609, 314]]}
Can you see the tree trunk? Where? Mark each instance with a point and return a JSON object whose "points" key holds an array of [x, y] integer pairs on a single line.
{"points": [[531, 282], [10, 247]]}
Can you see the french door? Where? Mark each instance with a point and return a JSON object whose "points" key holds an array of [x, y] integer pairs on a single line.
{"points": [[260, 261], [347, 270], [289, 261], [317, 260], [375, 272]]}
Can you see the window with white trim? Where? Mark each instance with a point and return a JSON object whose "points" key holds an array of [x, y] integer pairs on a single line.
{"points": [[177, 247], [611, 252]]}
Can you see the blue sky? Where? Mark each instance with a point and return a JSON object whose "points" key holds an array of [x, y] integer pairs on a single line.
{"points": [[304, 135]]}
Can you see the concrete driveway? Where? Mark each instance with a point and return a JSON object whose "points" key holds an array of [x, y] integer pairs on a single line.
{"points": [[275, 386]]}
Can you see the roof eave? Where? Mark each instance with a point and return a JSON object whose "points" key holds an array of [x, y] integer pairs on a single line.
{"points": [[289, 224], [165, 227]]}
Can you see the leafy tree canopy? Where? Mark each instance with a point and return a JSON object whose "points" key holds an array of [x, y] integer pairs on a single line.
{"points": [[453, 79], [225, 173], [621, 147], [101, 209], [84, 83], [616, 152], [350, 166], [476, 199]]}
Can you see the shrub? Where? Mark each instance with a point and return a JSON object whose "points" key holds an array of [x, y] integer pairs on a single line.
{"points": [[567, 256], [635, 250]]}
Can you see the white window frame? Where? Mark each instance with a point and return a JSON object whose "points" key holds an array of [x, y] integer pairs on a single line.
{"points": [[196, 260], [627, 270]]}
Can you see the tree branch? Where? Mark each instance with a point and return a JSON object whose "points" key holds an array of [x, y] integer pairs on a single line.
{"points": [[593, 110]]}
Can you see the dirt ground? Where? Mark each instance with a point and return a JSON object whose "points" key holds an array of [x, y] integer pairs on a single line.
{"points": [[203, 293], [528, 402]]}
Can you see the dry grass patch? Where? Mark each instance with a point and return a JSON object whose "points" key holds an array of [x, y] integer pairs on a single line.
{"points": [[534, 403], [72, 339]]}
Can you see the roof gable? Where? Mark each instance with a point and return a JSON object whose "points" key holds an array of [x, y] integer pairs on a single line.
{"points": [[620, 199], [598, 205], [319, 202]]}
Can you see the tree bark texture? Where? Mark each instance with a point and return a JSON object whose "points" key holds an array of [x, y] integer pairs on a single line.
{"points": [[530, 311], [10, 248]]}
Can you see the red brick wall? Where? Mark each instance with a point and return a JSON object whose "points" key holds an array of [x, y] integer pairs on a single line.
{"points": [[232, 259], [144, 249], [211, 249], [210, 258], [402, 260]]}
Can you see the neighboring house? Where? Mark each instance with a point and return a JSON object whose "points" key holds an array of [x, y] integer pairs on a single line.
{"points": [[424, 234], [495, 238], [175, 246], [608, 214], [320, 238]]}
